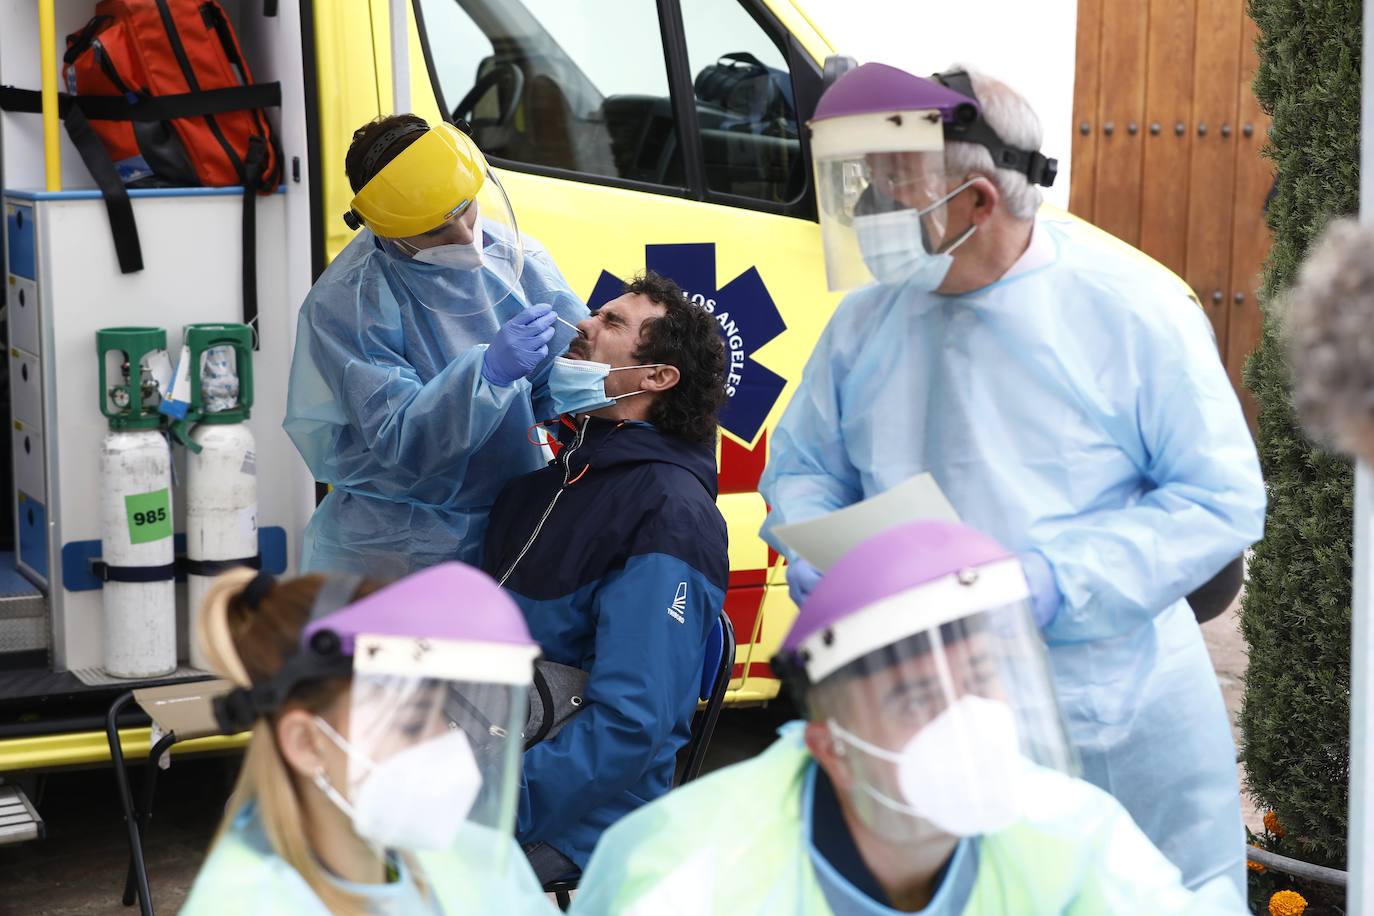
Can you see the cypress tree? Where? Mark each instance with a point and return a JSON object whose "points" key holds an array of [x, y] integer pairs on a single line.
{"points": [[1296, 611]]}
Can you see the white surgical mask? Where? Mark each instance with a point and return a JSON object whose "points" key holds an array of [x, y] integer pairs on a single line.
{"points": [[458, 257], [418, 798], [961, 772], [893, 246]]}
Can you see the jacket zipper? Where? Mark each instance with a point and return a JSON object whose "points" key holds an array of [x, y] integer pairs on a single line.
{"points": [[567, 472], [179, 50]]}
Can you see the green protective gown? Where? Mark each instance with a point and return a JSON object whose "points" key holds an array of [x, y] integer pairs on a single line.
{"points": [[484, 874], [732, 842]]}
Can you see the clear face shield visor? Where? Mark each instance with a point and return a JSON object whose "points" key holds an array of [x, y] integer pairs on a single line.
{"points": [[881, 189], [432, 763], [951, 727]]}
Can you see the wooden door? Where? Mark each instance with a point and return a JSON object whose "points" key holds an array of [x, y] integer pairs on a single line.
{"points": [[1166, 155]]}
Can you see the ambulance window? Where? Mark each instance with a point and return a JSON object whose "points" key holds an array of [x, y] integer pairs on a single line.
{"points": [[577, 85], [750, 138]]}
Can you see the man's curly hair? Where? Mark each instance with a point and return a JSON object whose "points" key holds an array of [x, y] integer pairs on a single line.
{"points": [[686, 337]]}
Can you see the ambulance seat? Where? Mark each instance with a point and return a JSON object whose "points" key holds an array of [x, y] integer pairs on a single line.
{"points": [[527, 117], [644, 138]]}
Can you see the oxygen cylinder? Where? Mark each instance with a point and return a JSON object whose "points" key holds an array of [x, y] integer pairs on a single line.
{"points": [[221, 464], [136, 508]]}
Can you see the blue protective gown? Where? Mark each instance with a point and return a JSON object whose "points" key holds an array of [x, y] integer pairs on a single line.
{"points": [[388, 405], [1077, 407]]}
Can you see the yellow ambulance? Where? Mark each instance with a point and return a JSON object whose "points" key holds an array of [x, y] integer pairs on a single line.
{"points": [[629, 134], [668, 135]]}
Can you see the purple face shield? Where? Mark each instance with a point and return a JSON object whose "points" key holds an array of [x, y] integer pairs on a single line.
{"points": [[448, 622]]}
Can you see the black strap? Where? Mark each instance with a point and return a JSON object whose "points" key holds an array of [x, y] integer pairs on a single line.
{"points": [[1038, 168], [215, 567], [253, 165], [148, 107], [269, 7], [76, 111], [117, 204], [541, 686], [238, 709], [107, 573], [235, 711]]}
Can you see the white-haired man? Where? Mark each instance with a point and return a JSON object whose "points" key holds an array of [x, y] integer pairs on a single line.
{"points": [[1065, 393]]}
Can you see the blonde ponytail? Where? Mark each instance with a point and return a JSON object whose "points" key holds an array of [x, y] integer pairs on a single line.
{"points": [[227, 626]]}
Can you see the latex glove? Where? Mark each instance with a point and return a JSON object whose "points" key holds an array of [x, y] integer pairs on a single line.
{"points": [[1045, 596], [520, 346], [801, 578]]}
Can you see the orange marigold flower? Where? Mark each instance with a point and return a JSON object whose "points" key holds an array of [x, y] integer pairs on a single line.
{"points": [[1287, 903], [1256, 867], [1271, 823]]}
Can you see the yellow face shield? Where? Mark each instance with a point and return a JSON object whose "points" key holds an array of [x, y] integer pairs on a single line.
{"points": [[432, 181]]}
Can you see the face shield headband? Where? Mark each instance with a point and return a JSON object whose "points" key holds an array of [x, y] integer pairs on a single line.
{"points": [[889, 621], [374, 152], [968, 126], [319, 659]]}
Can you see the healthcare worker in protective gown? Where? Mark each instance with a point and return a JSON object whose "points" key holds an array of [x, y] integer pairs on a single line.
{"points": [[384, 763], [421, 355], [1066, 395], [933, 775]]}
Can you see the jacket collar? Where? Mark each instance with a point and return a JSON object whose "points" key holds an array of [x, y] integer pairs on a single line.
{"points": [[608, 443]]}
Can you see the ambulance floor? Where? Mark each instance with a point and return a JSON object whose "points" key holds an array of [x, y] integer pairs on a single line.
{"points": [[78, 870]]}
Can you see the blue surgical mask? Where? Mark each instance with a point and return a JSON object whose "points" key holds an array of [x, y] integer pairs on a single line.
{"points": [[578, 386]]}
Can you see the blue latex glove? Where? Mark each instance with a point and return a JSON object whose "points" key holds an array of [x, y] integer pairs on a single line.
{"points": [[1045, 596], [801, 578], [520, 346]]}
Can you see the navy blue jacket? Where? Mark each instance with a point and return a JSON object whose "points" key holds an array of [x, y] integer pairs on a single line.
{"points": [[624, 578]]}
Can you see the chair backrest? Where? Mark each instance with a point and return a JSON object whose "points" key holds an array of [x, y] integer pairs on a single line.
{"points": [[184, 709], [710, 668], [715, 681]]}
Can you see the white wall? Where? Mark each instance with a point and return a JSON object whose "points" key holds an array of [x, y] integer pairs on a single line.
{"points": [[1030, 46]]}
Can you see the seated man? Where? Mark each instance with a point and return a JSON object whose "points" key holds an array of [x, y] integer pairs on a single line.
{"points": [[933, 775], [617, 555]]}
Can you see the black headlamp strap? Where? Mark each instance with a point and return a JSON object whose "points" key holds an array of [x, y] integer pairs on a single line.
{"points": [[791, 671], [374, 152], [1038, 168], [383, 143], [238, 709]]}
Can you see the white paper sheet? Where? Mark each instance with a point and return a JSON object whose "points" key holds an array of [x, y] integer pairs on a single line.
{"points": [[821, 541]]}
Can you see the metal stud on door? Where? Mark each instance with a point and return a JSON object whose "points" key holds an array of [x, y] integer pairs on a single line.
{"points": [[138, 559]]}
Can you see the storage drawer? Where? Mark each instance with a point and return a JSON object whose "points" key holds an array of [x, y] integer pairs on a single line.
{"points": [[26, 388], [31, 520], [23, 312], [19, 232], [30, 500], [30, 466]]}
